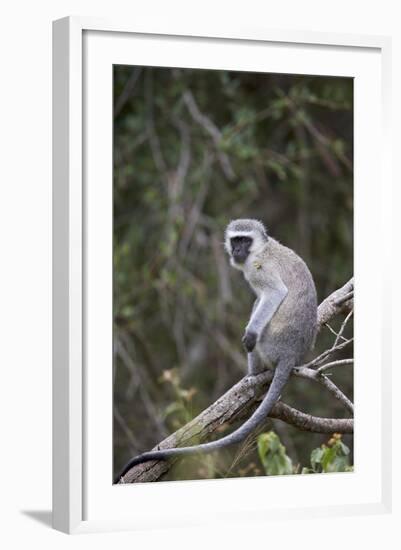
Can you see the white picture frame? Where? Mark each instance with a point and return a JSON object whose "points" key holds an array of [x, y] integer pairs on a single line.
{"points": [[83, 51]]}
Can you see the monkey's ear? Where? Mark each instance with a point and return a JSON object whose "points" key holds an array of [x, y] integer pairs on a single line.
{"points": [[263, 229]]}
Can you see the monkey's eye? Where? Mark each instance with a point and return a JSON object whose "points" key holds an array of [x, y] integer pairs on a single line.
{"points": [[241, 240]]}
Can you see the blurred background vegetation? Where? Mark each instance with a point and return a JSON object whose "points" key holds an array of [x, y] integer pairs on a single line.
{"points": [[194, 149]]}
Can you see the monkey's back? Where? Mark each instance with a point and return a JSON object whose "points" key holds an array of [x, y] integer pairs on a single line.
{"points": [[292, 329]]}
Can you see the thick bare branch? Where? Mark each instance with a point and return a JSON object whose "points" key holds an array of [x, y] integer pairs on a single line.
{"points": [[309, 423], [339, 301]]}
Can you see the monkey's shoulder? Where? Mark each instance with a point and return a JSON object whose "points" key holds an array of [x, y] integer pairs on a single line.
{"points": [[262, 271], [268, 259], [286, 259]]}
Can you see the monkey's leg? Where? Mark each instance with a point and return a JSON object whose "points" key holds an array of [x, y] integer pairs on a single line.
{"points": [[255, 365]]}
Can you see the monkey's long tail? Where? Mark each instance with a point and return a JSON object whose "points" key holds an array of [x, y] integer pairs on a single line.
{"points": [[281, 375]]}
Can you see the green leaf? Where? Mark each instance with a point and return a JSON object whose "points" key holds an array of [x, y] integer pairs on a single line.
{"points": [[316, 457], [273, 456], [330, 459]]}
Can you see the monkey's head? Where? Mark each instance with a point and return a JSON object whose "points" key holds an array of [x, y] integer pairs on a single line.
{"points": [[242, 238]]}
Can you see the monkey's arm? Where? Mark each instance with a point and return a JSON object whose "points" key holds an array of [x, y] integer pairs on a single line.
{"points": [[268, 303]]}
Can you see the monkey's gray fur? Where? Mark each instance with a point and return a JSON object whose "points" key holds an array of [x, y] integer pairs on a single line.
{"points": [[282, 327]]}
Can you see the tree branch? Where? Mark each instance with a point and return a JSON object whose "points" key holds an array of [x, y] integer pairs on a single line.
{"points": [[339, 301], [309, 423], [337, 363], [128, 90], [320, 378], [242, 399], [209, 126]]}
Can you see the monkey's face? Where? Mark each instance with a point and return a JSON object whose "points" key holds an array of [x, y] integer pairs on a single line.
{"points": [[244, 238], [240, 248]]}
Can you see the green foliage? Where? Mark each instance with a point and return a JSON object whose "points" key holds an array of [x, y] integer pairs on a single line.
{"points": [[273, 456], [333, 457]]}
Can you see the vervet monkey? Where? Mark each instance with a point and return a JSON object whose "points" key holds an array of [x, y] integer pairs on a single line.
{"points": [[282, 327]]}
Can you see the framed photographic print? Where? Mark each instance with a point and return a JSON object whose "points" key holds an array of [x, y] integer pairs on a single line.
{"points": [[214, 287]]}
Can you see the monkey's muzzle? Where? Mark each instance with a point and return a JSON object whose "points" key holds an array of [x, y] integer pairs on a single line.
{"points": [[240, 258], [240, 255]]}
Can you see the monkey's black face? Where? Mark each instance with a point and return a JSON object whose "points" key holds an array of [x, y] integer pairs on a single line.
{"points": [[240, 248]]}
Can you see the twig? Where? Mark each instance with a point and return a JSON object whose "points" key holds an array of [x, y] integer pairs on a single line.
{"points": [[335, 364], [320, 138], [126, 429], [154, 141], [209, 126], [197, 206], [127, 91], [184, 160], [333, 331], [310, 374], [320, 358], [342, 328], [146, 399]]}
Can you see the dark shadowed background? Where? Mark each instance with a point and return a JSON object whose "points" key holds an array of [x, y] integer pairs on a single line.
{"points": [[194, 149]]}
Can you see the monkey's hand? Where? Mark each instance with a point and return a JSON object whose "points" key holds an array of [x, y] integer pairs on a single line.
{"points": [[249, 340]]}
